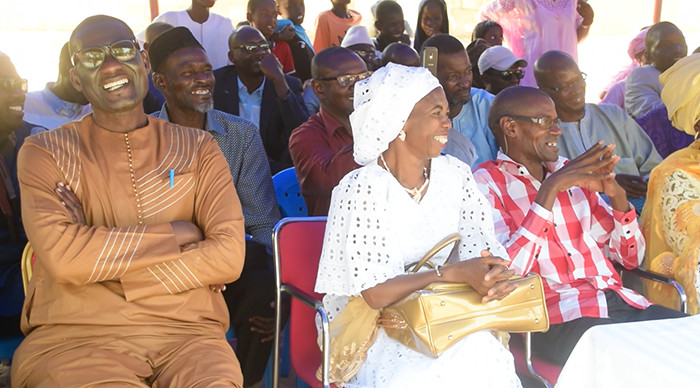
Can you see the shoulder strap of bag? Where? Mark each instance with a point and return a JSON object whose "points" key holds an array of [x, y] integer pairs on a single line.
{"points": [[453, 238]]}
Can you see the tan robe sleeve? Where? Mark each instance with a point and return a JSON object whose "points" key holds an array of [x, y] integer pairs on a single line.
{"points": [[74, 253], [218, 259]]}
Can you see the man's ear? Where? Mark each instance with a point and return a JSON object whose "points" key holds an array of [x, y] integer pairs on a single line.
{"points": [[377, 26], [146, 60], [507, 125], [159, 82], [249, 17], [317, 87], [75, 80], [230, 56]]}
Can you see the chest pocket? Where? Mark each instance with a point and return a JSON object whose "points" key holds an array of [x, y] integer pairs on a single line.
{"points": [[170, 197]]}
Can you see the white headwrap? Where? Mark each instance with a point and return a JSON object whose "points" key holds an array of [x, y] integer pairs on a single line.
{"points": [[383, 103]]}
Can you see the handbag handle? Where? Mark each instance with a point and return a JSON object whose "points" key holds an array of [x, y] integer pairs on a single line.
{"points": [[453, 238]]}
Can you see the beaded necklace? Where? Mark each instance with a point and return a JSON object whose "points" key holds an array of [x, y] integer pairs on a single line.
{"points": [[415, 193]]}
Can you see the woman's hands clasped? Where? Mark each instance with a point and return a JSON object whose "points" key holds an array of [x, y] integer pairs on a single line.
{"points": [[487, 274]]}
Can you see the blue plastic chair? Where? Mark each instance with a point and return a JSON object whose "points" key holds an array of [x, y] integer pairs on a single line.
{"points": [[289, 194]]}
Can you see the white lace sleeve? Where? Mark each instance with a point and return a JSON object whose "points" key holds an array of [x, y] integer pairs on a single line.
{"points": [[356, 252], [475, 221], [678, 189]]}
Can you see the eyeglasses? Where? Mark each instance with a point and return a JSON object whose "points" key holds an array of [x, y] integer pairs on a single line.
{"points": [[10, 84], [252, 47], [508, 75], [567, 88], [348, 79], [94, 57], [543, 121]]}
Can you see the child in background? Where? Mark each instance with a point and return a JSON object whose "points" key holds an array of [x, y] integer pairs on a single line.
{"points": [[432, 20], [332, 25], [489, 30], [290, 30], [390, 24]]}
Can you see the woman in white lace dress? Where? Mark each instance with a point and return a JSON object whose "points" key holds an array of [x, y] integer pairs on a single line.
{"points": [[390, 212]]}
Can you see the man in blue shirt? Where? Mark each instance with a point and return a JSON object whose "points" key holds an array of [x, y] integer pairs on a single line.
{"points": [[470, 139], [183, 73], [59, 102]]}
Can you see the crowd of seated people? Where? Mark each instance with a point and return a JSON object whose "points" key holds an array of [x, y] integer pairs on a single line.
{"points": [[142, 177]]}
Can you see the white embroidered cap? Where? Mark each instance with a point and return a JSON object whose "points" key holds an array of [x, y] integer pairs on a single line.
{"points": [[383, 103]]}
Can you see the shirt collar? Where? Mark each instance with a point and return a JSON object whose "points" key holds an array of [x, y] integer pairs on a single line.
{"points": [[330, 124], [243, 88], [210, 124], [504, 162], [62, 108]]}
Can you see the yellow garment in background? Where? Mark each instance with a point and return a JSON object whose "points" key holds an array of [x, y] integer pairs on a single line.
{"points": [[673, 239], [681, 93]]}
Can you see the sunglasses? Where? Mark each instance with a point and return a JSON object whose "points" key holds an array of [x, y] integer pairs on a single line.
{"points": [[94, 57], [509, 75], [366, 54], [10, 84], [543, 121], [348, 79], [252, 47]]}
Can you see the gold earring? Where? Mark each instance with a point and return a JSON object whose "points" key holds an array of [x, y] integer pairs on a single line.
{"points": [[402, 135], [505, 143]]}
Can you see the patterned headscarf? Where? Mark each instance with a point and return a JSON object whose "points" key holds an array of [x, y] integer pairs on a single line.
{"points": [[681, 93], [383, 103]]}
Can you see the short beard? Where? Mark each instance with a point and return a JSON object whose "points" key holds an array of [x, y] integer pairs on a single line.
{"points": [[205, 107]]}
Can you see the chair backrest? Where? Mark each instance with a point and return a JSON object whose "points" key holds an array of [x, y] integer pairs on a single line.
{"points": [[289, 194], [298, 244]]}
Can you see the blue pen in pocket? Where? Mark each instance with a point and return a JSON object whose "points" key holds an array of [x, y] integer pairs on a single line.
{"points": [[172, 178]]}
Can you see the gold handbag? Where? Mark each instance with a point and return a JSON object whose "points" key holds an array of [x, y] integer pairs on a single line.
{"points": [[433, 319]]}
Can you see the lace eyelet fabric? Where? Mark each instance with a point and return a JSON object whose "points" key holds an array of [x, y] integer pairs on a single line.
{"points": [[374, 229]]}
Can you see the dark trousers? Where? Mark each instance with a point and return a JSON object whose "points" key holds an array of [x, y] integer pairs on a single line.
{"points": [[252, 295], [556, 344]]}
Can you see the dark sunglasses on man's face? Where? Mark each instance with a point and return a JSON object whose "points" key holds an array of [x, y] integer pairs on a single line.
{"points": [[94, 57], [10, 84], [252, 47], [509, 75]]}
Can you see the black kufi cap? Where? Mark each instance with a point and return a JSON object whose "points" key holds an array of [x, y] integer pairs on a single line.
{"points": [[169, 42]]}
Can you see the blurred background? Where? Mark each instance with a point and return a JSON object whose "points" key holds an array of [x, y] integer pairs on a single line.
{"points": [[33, 31]]}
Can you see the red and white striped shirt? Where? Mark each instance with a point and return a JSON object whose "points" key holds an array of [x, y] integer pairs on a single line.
{"points": [[571, 247]]}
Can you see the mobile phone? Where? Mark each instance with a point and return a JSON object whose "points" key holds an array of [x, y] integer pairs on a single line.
{"points": [[429, 59]]}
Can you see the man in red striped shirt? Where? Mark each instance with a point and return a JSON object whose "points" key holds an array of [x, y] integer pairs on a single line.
{"points": [[551, 219]]}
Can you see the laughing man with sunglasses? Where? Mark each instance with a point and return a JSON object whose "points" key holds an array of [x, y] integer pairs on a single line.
{"points": [[131, 219], [500, 69]]}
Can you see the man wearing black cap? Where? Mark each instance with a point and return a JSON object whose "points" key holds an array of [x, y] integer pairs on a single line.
{"points": [[183, 73], [132, 219]]}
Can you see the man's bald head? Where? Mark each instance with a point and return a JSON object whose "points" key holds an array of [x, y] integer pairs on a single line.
{"points": [[550, 62], [331, 59], [400, 53], [99, 20], [155, 29], [244, 35], [515, 100], [665, 45]]}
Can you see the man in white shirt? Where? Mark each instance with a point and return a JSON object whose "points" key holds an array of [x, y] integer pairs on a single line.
{"points": [[210, 29]]}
